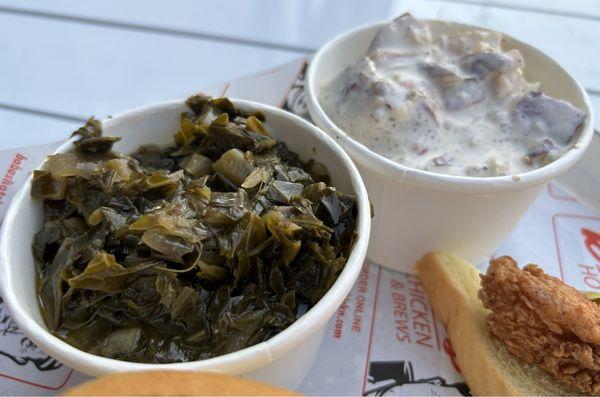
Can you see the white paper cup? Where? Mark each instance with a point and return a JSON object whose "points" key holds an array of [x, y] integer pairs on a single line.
{"points": [[417, 211], [283, 360]]}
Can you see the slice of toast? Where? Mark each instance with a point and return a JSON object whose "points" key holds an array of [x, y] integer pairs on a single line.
{"points": [[486, 365]]}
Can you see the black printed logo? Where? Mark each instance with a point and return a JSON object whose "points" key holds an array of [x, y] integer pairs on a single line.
{"points": [[389, 377], [19, 349]]}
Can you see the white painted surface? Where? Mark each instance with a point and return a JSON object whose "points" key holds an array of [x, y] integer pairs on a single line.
{"points": [[583, 8], [290, 22], [22, 129], [84, 70], [105, 56]]}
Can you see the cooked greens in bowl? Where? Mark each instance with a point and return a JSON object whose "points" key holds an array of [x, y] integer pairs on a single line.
{"points": [[186, 252]]}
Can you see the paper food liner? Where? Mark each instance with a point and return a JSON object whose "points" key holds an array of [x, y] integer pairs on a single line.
{"points": [[384, 338]]}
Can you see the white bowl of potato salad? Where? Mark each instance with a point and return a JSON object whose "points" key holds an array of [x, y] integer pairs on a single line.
{"points": [[456, 129]]}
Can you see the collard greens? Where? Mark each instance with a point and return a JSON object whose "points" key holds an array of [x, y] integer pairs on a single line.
{"points": [[187, 252]]}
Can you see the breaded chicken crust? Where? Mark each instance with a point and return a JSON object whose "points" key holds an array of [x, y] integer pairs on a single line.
{"points": [[543, 321]]}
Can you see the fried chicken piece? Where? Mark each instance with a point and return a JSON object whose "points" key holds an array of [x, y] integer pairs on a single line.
{"points": [[543, 321]]}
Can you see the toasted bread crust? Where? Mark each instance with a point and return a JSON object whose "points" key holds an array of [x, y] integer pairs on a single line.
{"points": [[464, 318], [488, 368], [175, 383]]}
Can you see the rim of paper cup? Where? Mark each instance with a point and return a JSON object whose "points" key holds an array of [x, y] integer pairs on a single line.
{"points": [[244, 360], [395, 171]]}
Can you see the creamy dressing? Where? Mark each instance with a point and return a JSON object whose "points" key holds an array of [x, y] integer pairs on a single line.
{"points": [[452, 104]]}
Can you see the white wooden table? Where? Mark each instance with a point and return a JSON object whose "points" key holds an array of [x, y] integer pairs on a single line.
{"points": [[64, 60]]}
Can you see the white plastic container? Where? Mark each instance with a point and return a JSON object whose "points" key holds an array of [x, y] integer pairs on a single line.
{"points": [[417, 211], [283, 360]]}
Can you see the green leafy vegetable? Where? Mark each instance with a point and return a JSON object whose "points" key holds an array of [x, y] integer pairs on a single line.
{"points": [[186, 252]]}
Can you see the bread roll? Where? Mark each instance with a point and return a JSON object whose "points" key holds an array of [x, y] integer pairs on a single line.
{"points": [[175, 383]]}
